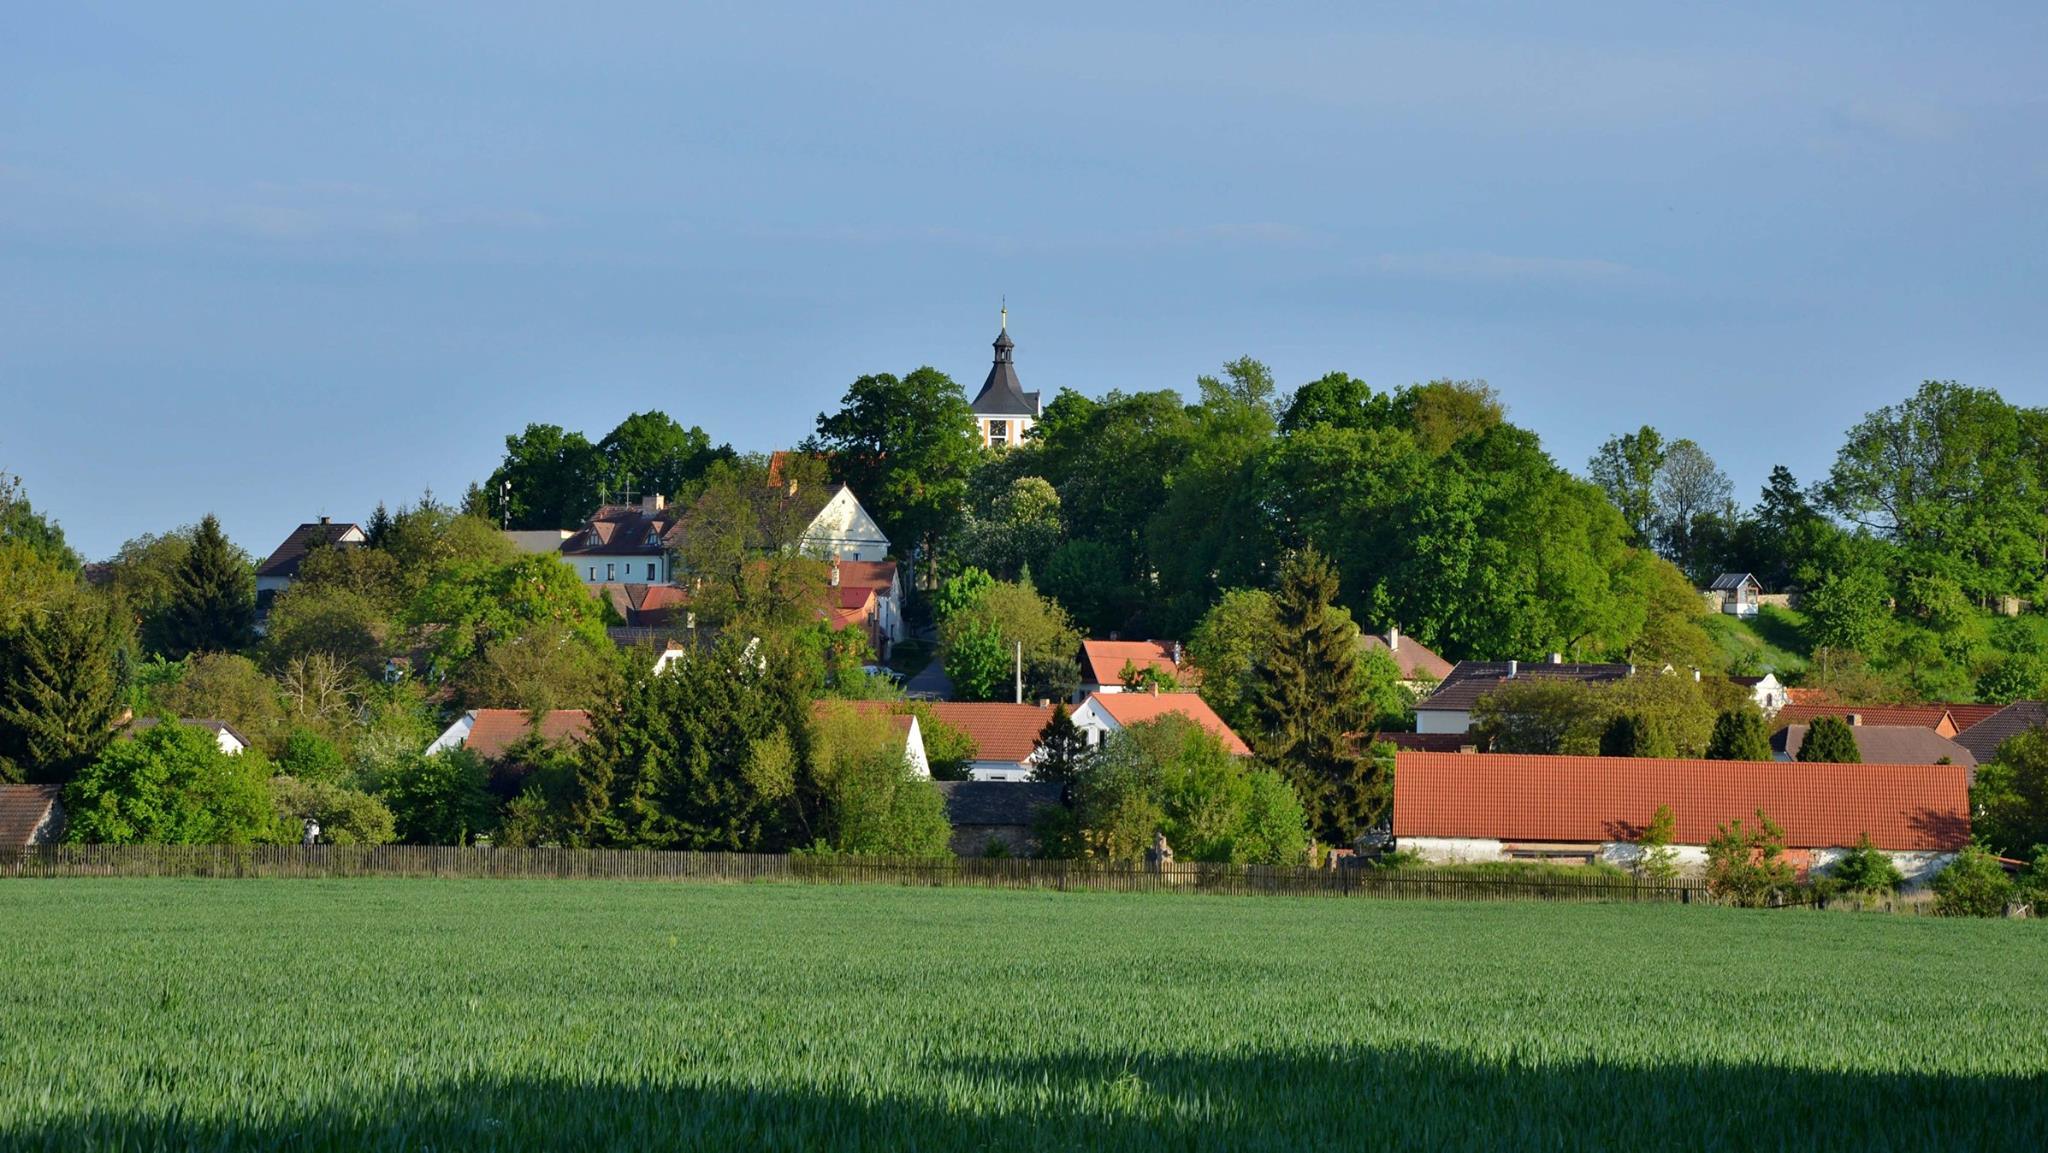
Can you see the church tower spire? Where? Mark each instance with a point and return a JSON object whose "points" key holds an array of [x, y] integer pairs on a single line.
{"points": [[1002, 409]]}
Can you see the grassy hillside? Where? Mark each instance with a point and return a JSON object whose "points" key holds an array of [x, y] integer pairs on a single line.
{"points": [[564, 1014], [1773, 641]]}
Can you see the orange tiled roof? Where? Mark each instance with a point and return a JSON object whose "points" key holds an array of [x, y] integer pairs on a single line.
{"points": [[1914, 716], [1968, 716], [1137, 708], [1582, 800], [1102, 662], [879, 575], [496, 730], [1000, 730]]}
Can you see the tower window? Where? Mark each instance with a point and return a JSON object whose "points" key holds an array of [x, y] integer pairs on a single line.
{"points": [[999, 432]]}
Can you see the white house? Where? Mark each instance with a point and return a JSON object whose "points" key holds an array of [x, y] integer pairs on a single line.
{"points": [[281, 567], [1105, 713], [225, 735], [1003, 411], [1735, 593], [490, 732], [843, 529], [624, 544], [1455, 807], [1103, 664], [1766, 691]]}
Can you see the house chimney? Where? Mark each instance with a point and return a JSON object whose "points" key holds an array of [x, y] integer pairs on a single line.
{"points": [[833, 576], [1393, 639], [1855, 718], [1513, 668], [1557, 658], [324, 520], [653, 503], [1695, 676], [1176, 654], [1155, 688]]}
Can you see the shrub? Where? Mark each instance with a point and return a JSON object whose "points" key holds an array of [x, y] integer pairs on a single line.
{"points": [[1659, 861], [1865, 869], [1739, 735], [1974, 885], [1829, 741], [1746, 866]]}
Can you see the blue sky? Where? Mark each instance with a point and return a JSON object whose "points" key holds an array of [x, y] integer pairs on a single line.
{"points": [[274, 263]]}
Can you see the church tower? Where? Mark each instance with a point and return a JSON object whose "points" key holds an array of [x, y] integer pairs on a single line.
{"points": [[1003, 410]]}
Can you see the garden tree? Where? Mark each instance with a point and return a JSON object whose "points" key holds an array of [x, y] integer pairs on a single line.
{"points": [[906, 446], [869, 801], [1659, 861], [60, 689], [172, 785], [1541, 715], [395, 721], [649, 453], [1848, 611], [1196, 540], [143, 578], [1746, 865], [1444, 412], [1337, 400], [1308, 716], [1780, 537], [1136, 678], [1088, 578], [1676, 711], [1629, 735], [427, 539], [1062, 748], [29, 584], [1674, 631], [742, 546], [550, 478], [1865, 869], [346, 816], [1973, 885], [548, 665], [1229, 647], [319, 692], [1694, 508], [2019, 676], [705, 756], [1740, 734], [21, 525], [444, 799], [959, 592], [311, 758], [228, 687], [330, 620], [2010, 795], [1829, 741], [1174, 777], [1015, 533], [978, 641], [476, 605], [213, 598], [1952, 475], [1625, 467]]}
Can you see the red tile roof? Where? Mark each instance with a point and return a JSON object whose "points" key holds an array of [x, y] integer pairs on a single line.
{"points": [[1417, 661], [1581, 800], [1137, 708], [1969, 716], [496, 730], [1000, 730], [879, 575], [1800, 696], [23, 810], [1102, 662], [1934, 717]]}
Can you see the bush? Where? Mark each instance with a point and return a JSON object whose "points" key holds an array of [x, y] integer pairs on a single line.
{"points": [[1746, 866], [345, 816], [1739, 735], [1864, 869], [172, 785], [1829, 741], [1974, 885], [1659, 861]]}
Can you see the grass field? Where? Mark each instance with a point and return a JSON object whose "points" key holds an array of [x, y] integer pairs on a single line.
{"points": [[565, 1014]]}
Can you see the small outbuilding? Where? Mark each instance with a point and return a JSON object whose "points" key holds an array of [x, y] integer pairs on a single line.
{"points": [[996, 818], [1736, 594], [30, 815]]}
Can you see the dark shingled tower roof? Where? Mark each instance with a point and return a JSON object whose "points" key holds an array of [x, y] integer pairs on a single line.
{"points": [[1001, 394]]}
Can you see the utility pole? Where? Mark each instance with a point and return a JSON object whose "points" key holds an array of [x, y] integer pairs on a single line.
{"points": [[1020, 672]]}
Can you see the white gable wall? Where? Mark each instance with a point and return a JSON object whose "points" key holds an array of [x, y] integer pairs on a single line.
{"points": [[844, 529]]}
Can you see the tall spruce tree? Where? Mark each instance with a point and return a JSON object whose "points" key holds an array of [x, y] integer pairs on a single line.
{"points": [[213, 602], [1309, 715], [1628, 735], [1739, 735], [60, 691], [1061, 748], [1829, 741]]}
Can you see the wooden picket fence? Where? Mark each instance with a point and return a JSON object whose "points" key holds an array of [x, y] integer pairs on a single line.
{"points": [[450, 862]]}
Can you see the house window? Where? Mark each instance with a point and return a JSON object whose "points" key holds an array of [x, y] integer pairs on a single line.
{"points": [[610, 571], [999, 432], [593, 572], [650, 570]]}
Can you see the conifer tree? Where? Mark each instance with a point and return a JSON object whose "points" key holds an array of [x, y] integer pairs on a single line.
{"points": [[1061, 748], [1830, 742], [1739, 735], [213, 603], [1628, 735], [1309, 715], [60, 691]]}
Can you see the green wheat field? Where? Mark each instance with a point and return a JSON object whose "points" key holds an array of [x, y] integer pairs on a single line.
{"points": [[415, 1014]]}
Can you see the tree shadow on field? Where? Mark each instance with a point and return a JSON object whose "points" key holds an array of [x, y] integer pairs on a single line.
{"points": [[1357, 1098]]}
